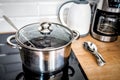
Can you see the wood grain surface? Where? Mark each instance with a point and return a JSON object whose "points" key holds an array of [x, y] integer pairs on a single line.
{"points": [[111, 53]]}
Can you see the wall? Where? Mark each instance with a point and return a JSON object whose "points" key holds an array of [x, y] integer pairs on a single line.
{"points": [[23, 12], [31, 8]]}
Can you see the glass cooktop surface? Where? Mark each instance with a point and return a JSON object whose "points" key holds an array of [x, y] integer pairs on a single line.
{"points": [[11, 67]]}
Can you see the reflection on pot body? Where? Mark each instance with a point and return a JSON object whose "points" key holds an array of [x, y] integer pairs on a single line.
{"points": [[45, 61], [61, 75]]}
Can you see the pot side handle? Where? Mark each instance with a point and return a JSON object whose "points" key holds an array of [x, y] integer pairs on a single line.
{"points": [[12, 37], [72, 71], [76, 35]]}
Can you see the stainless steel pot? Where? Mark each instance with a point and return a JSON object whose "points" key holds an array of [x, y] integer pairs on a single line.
{"points": [[52, 46]]}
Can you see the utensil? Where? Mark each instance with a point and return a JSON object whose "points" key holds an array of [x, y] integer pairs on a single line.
{"points": [[78, 16], [11, 23], [52, 46], [92, 48]]}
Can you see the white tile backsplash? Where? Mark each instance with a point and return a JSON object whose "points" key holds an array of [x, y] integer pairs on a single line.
{"points": [[19, 9], [29, 8], [2, 1], [23, 12]]}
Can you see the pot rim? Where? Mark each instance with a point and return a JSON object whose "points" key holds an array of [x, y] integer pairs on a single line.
{"points": [[44, 49]]}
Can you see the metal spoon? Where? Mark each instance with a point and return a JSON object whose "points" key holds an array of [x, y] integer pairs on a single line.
{"points": [[11, 23], [92, 48]]}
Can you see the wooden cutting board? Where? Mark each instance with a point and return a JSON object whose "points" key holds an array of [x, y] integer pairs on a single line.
{"points": [[111, 53]]}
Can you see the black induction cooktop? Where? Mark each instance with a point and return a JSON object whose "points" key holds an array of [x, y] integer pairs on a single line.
{"points": [[11, 67]]}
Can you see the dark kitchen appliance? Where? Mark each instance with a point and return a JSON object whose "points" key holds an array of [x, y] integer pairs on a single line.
{"points": [[11, 67], [106, 22]]}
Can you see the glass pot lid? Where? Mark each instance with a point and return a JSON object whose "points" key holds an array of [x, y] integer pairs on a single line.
{"points": [[44, 35]]}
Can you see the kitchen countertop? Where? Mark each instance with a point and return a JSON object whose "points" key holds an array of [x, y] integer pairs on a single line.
{"points": [[111, 53]]}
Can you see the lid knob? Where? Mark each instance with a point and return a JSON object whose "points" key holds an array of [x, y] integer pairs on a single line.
{"points": [[45, 28]]}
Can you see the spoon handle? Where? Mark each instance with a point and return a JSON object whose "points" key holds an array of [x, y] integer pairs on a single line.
{"points": [[10, 22], [100, 59]]}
